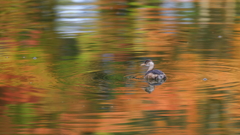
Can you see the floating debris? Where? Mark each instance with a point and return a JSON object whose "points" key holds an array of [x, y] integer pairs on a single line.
{"points": [[7, 57], [219, 36], [24, 57], [204, 79], [34, 58]]}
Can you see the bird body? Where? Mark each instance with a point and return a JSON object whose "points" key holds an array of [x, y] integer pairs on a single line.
{"points": [[153, 73]]}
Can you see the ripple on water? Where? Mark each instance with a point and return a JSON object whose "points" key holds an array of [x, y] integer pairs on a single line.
{"points": [[221, 75], [136, 76], [99, 77]]}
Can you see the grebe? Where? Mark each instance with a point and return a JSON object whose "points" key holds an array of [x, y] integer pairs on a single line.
{"points": [[153, 73]]}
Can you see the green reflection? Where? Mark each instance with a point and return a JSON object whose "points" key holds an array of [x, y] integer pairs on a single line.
{"points": [[22, 114]]}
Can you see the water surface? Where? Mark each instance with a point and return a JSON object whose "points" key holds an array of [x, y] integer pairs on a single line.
{"points": [[73, 67]]}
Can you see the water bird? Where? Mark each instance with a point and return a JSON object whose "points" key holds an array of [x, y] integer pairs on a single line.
{"points": [[153, 74]]}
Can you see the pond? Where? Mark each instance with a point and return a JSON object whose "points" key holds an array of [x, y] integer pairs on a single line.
{"points": [[72, 67]]}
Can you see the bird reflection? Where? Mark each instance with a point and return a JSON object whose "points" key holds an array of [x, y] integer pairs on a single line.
{"points": [[152, 83], [153, 76]]}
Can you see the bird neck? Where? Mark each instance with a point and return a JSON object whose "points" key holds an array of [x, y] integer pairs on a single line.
{"points": [[151, 66]]}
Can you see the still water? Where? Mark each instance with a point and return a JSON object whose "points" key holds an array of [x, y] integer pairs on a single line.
{"points": [[72, 67]]}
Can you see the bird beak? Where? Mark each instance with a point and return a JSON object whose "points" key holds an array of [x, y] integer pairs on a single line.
{"points": [[143, 64]]}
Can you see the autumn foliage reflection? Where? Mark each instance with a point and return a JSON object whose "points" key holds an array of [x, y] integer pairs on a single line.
{"points": [[91, 83]]}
